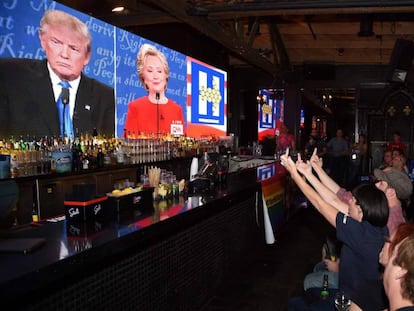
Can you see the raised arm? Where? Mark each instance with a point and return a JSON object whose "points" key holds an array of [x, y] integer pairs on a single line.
{"points": [[316, 163], [390, 193], [327, 210], [326, 194]]}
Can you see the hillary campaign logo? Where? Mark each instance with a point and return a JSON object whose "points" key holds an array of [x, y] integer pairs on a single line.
{"points": [[207, 93]]}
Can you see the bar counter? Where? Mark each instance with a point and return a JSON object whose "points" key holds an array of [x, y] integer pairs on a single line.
{"points": [[172, 258]]}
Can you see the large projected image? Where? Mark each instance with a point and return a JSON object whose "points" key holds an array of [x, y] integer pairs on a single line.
{"points": [[128, 85], [270, 109], [207, 93], [198, 88]]}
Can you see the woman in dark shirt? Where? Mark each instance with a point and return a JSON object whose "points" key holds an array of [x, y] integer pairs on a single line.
{"points": [[361, 228]]}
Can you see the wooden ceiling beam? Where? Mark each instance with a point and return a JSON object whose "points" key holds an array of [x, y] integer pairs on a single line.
{"points": [[299, 30], [178, 9], [279, 51], [307, 7], [253, 29]]}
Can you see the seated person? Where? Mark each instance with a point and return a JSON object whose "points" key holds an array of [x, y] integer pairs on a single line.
{"points": [[398, 277], [340, 195], [328, 266], [358, 227], [398, 188], [399, 161], [367, 298], [386, 159]]}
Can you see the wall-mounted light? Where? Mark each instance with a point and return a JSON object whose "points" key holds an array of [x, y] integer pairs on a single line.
{"points": [[407, 110], [326, 100], [326, 97], [391, 111], [261, 99], [341, 51]]}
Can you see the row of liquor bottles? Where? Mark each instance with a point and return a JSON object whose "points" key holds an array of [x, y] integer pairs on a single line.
{"points": [[27, 156]]}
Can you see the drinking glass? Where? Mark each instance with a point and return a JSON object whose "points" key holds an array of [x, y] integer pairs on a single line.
{"points": [[342, 301]]}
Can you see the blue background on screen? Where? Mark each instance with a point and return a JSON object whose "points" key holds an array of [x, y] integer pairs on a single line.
{"points": [[114, 51], [209, 117]]}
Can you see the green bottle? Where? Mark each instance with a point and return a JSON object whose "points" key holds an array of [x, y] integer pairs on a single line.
{"points": [[325, 289]]}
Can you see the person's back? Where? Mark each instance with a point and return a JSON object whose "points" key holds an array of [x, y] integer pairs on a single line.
{"points": [[362, 244]]}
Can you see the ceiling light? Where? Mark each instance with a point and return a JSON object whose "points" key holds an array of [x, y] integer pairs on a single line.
{"points": [[117, 9]]}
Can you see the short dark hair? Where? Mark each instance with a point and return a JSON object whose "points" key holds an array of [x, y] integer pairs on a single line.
{"points": [[374, 204]]}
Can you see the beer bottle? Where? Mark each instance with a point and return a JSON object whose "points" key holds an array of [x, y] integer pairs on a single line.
{"points": [[325, 289], [100, 157]]}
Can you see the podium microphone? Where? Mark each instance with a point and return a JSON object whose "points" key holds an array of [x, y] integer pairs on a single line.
{"points": [[157, 98]]}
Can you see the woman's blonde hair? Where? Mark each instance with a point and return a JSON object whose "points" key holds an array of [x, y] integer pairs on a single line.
{"points": [[150, 50]]}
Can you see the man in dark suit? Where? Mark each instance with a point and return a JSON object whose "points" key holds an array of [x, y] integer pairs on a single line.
{"points": [[30, 88]]}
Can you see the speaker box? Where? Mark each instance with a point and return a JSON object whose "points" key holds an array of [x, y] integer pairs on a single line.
{"points": [[319, 71], [401, 60]]}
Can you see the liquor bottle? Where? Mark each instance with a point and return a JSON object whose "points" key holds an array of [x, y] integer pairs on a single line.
{"points": [[325, 289], [95, 136], [100, 158], [76, 155], [107, 153], [93, 155], [85, 160], [120, 154]]}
